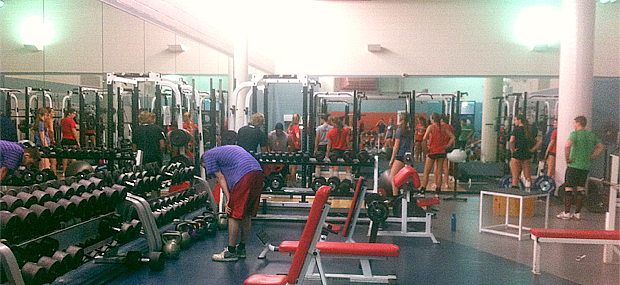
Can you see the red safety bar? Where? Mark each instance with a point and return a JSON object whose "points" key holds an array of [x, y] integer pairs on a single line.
{"points": [[404, 174], [352, 207], [576, 233], [347, 248], [302, 250]]}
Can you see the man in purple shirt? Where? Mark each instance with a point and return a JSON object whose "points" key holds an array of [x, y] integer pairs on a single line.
{"points": [[237, 170], [13, 154]]}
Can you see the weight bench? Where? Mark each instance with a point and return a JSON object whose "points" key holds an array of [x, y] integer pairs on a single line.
{"points": [[408, 180], [362, 251], [574, 236]]}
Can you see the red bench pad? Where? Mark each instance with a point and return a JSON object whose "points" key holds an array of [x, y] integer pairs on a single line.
{"points": [[576, 233], [404, 174], [347, 248], [428, 202], [262, 279]]}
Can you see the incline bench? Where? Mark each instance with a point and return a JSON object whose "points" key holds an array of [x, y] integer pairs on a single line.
{"points": [[574, 236], [307, 251]]}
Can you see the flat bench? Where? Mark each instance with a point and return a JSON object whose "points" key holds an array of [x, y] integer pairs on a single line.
{"points": [[379, 250], [574, 236]]}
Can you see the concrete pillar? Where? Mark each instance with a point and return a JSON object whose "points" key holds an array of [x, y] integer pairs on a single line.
{"points": [[576, 72], [493, 87], [241, 71]]}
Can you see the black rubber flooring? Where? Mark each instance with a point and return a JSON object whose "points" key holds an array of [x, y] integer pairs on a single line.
{"points": [[420, 262]]}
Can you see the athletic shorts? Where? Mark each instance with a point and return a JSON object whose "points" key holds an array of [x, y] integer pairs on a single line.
{"points": [[399, 158], [245, 195], [68, 142], [522, 155], [437, 156], [338, 152], [576, 177], [552, 153], [322, 147]]}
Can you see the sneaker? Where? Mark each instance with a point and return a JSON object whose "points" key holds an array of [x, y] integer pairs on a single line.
{"points": [[240, 253], [564, 216], [576, 216], [225, 256]]}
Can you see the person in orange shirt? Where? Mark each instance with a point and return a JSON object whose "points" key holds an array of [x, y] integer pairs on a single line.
{"points": [[446, 163], [338, 141], [69, 134], [439, 137]]}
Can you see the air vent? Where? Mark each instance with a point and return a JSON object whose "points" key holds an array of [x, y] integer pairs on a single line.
{"points": [[357, 83]]}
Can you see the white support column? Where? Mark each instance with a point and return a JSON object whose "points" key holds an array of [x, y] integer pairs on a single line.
{"points": [[576, 72], [241, 71], [492, 88], [231, 88]]}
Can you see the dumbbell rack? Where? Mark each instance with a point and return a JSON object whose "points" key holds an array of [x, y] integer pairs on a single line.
{"points": [[304, 192]]}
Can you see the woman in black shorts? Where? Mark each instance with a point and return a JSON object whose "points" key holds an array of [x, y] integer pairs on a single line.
{"points": [[522, 144]]}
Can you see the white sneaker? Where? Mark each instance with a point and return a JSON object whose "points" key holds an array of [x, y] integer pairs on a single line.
{"points": [[576, 216], [563, 216]]}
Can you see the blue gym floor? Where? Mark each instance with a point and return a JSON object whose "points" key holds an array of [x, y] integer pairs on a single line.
{"points": [[463, 257]]}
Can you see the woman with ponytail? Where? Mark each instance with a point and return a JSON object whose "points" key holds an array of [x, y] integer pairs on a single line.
{"points": [[41, 136], [439, 138], [522, 144], [338, 141], [402, 144]]}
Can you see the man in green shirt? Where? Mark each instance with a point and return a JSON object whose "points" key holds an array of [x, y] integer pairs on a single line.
{"points": [[581, 149]]}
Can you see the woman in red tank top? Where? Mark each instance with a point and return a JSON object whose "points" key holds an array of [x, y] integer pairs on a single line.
{"points": [[437, 151]]}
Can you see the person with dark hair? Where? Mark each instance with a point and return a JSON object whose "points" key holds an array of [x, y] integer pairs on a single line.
{"points": [[321, 139], [402, 145], [149, 138], [421, 147], [8, 131], [13, 154], [381, 125], [338, 141], [41, 136], [439, 138], [581, 149], [241, 179], [278, 139], [69, 134], [449, 148], [89, 130], [523, 142], [389, 134]]}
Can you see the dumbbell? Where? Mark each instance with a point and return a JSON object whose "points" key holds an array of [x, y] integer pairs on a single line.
{"points": [[108, 227], [88, 185], [275, 182], [28, 220], [333, 157], [44, 218], [70, 208], [77, 255], [103, 202], [54, 193], [28, 199], [318, 182], [58, 211], [122, 191], [334, 183], [10, 203], [320, 156], [78, 188], [40, 177], [47, 246], [64, 259], [42, 196], [113, 194], [10, 224], [348, 156], [81, 206], [345, 187], [34, 274], [134, 260]]}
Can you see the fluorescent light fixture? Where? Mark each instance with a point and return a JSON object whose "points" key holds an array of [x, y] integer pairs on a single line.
{"points": [[37, 32], [607, 1], [538, 25], [1, 4]]}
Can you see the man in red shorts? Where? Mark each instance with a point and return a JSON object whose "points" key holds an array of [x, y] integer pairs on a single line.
{"points": [[241, 178]]}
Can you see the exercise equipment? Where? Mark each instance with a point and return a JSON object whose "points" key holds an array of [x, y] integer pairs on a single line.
{"points": [[134, 260], [76, 167], [172, 244], [506, 182]]}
